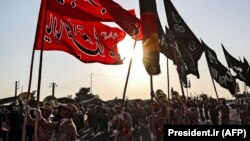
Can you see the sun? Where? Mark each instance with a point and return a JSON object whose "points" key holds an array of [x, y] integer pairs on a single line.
{"points": [[126, 51]]}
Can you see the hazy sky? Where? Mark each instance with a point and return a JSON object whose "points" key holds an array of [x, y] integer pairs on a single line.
{"points": [[215, 21]]}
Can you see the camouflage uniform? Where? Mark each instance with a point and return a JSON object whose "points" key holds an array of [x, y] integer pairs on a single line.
{"points": [[225, 111], [206, 108], [244, 112], [176, 112], [66, 127], [122, 124], [192, 113], [67, 130], [45, 132], [157, 120], [200, 107], [214, 111]]}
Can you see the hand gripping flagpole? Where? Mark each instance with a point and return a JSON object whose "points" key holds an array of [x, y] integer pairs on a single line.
{"points": [[27, 103], [129, 68], [42, 9], [43, 13], [38, 93]]}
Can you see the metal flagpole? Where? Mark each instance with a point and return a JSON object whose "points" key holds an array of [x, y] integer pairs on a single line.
{"points": [[42, 7], [168, 79], [214, 87], [129, 68], [182, 90], [151, 88], [176, 47], [38, 91], [27, 102], [40, 73]]}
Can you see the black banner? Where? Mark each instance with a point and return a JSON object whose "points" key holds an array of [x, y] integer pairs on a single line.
{"points": [[218, 71], [189, 46], [238, 67]]}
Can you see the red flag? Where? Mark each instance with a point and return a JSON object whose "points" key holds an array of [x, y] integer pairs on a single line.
{"points": [[88, 10], [87, 41], [125, 19], [98, 10]]}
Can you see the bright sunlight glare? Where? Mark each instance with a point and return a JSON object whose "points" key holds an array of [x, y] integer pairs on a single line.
{"points": [[126, 51]]}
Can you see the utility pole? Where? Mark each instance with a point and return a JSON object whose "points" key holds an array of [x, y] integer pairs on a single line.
{"points": [[16, 87], [53, 85]]}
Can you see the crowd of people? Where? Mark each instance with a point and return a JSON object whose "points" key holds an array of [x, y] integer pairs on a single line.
{"points": [[118, 121]]}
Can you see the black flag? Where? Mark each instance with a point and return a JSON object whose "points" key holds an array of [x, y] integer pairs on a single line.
{"points": [[149, 20], [218, 71], [247, 71], [236, 65], [189, 46], [166, 42], [169, 49]]}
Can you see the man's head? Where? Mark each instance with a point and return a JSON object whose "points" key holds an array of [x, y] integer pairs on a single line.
{"points": [[46, 111], [67, 110], [118, 108]]}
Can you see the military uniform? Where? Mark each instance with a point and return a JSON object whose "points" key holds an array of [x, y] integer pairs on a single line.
{"points": [[206, 108], [176, 112], [200, 107], [214, 111], [45, 131], [122, 124], [66, 127], [225, 111], [192, 114], [157, 120], [244, 112], [67, 130]]}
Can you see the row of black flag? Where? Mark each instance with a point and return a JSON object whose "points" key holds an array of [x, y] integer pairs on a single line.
{"points": [[180, 45], [80, 31]]}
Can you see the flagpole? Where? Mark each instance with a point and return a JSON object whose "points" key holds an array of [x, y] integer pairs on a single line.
{"points": [[214, 87], [182, 90], [43, 7], [168, 79], [176, 47], [27, 103], [38, 90], [151, 87], [128, 73]]}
